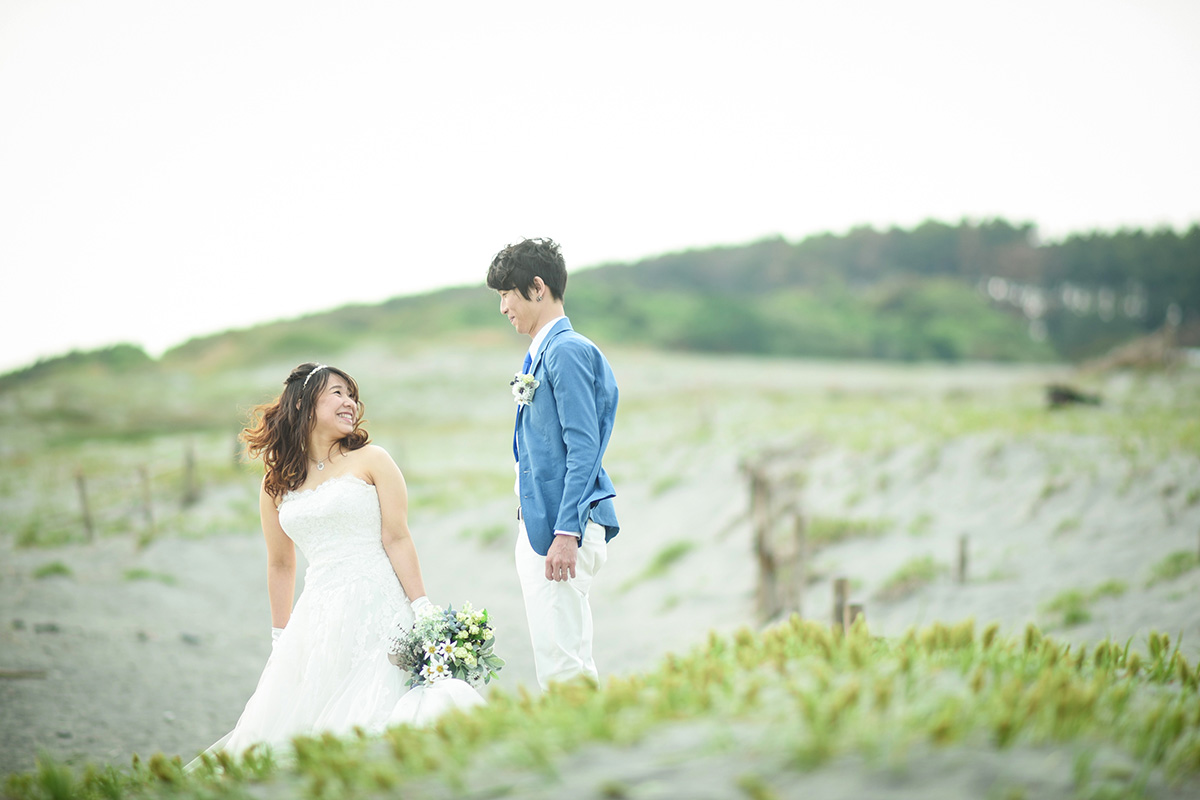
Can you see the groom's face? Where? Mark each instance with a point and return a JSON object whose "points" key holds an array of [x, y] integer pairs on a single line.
{"points": [[522, 313]]}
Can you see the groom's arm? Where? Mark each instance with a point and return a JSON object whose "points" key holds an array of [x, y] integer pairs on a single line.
{"points": [[573, 371]]}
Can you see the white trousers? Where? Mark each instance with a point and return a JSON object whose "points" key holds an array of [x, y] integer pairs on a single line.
{"points": [[560, 618]]}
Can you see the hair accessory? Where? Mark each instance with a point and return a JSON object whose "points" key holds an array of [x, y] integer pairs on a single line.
{"points": [[314, 372]]}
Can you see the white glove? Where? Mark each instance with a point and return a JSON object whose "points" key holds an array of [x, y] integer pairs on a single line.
{"points": [[422, 607], [275, 634]]}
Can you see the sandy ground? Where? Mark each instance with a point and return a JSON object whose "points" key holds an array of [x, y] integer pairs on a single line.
{"points": [[116, 666], [138, 666]]}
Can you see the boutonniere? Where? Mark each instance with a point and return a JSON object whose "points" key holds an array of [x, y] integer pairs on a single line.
{"points": [[522, 388]]}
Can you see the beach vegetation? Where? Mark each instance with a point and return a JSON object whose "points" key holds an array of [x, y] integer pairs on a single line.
{"points": [[822, 531], [796, 695], [665, 484], [491, 534], [662, 561], [910, 577], [144, 574], [1173, 566], [921, 524], [1072, 605], [1067, 525], [53, 569]]}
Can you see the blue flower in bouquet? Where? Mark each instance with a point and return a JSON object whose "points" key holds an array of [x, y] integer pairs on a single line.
{"points": [[448, 644]]}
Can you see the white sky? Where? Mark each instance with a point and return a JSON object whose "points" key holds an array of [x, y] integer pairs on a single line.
{"points": [[170, 168]]}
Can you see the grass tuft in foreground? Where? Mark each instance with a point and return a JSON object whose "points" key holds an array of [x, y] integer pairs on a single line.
{"points": [[799, 696]]}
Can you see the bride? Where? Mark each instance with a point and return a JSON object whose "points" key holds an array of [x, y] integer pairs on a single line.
{"points": [[344, 503]]}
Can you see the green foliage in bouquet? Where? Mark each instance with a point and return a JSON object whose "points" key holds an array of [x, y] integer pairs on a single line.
{"points": [[448, 644]]}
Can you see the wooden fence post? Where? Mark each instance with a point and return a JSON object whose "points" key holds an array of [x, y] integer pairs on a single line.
{"points": [[853, 612], [962, 559], [88, 527], [190, 491], [760, 515], [841, 588]]}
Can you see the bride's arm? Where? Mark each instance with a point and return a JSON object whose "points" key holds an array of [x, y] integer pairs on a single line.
{"points": [[393, 506], [281, 562]]}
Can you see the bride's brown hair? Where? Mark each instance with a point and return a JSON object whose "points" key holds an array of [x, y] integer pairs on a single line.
{"points": [[279, 430]]}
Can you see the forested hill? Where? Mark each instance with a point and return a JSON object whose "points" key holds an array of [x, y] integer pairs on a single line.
{"points": [[975, 290], [972, 290]]}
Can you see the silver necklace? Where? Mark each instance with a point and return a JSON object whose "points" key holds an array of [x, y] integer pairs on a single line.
{"points": [[321, 464]]}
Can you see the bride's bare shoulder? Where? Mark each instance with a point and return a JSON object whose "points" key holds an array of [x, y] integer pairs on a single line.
{"points": [[372, 460]]}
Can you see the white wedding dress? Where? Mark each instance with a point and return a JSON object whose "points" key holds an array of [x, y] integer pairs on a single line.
{"points": [[329, 669]]}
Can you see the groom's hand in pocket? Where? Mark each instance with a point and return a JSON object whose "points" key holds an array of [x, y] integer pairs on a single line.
{"points": [[560, 559]]}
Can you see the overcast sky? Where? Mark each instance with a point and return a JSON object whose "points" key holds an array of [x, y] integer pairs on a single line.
{"points": [[169, 169]]}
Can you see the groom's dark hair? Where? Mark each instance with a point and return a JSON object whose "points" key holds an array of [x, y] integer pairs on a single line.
{"points": [[517, 265]]}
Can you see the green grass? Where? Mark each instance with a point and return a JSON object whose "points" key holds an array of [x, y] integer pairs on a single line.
{"points": [[665, 484], [662, 561], [1071, 605], [911, 576], [493, 534], [53, 569], [1192, 497], [774, 705], [920, 524], [824, 531], [1067, 525], [1173, 566], [143, 574], [1110, 588]]}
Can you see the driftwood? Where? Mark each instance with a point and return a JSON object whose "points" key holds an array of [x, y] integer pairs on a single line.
{"points": [[1059, 395], [775, 481]]}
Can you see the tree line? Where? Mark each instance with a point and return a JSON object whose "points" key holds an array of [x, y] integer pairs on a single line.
{"points": [[988, 289]]}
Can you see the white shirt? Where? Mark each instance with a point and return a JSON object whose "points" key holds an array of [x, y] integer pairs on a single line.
{"points": [[541, 335]]}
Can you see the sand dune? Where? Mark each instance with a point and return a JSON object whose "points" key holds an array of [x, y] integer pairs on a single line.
{"points": [[116, 666]]}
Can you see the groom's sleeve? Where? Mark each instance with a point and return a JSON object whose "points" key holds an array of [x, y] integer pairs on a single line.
{"points": [[573, 370]]}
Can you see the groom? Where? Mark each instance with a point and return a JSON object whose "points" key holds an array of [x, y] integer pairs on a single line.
{"points": [[566, 402]]}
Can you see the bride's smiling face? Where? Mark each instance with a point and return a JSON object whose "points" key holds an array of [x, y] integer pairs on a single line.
{"points": [[336, 409]]}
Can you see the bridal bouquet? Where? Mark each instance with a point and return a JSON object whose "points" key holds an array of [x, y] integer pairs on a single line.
{"points": [[448, 644]]}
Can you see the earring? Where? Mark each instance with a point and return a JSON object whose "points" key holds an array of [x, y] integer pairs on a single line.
{"points": [[539, 298]]}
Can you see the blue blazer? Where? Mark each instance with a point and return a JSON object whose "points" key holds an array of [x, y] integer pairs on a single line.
{"points": [[561, 438]]}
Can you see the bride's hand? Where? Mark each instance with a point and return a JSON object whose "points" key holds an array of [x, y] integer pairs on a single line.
{"points": [[422, 607]]}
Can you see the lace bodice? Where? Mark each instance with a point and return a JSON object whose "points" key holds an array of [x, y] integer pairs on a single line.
{"points": [[337, 527]]}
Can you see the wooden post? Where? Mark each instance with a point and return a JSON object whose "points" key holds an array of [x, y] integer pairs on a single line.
{"points": [[853, 612], [962, 559], [190, 493], [88, 527], [841, 588], [147, 505], [760, 514]]}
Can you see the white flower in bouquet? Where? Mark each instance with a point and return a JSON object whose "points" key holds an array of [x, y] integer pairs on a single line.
{"points": [[435, 671], [447, 643], [523, 387]]}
